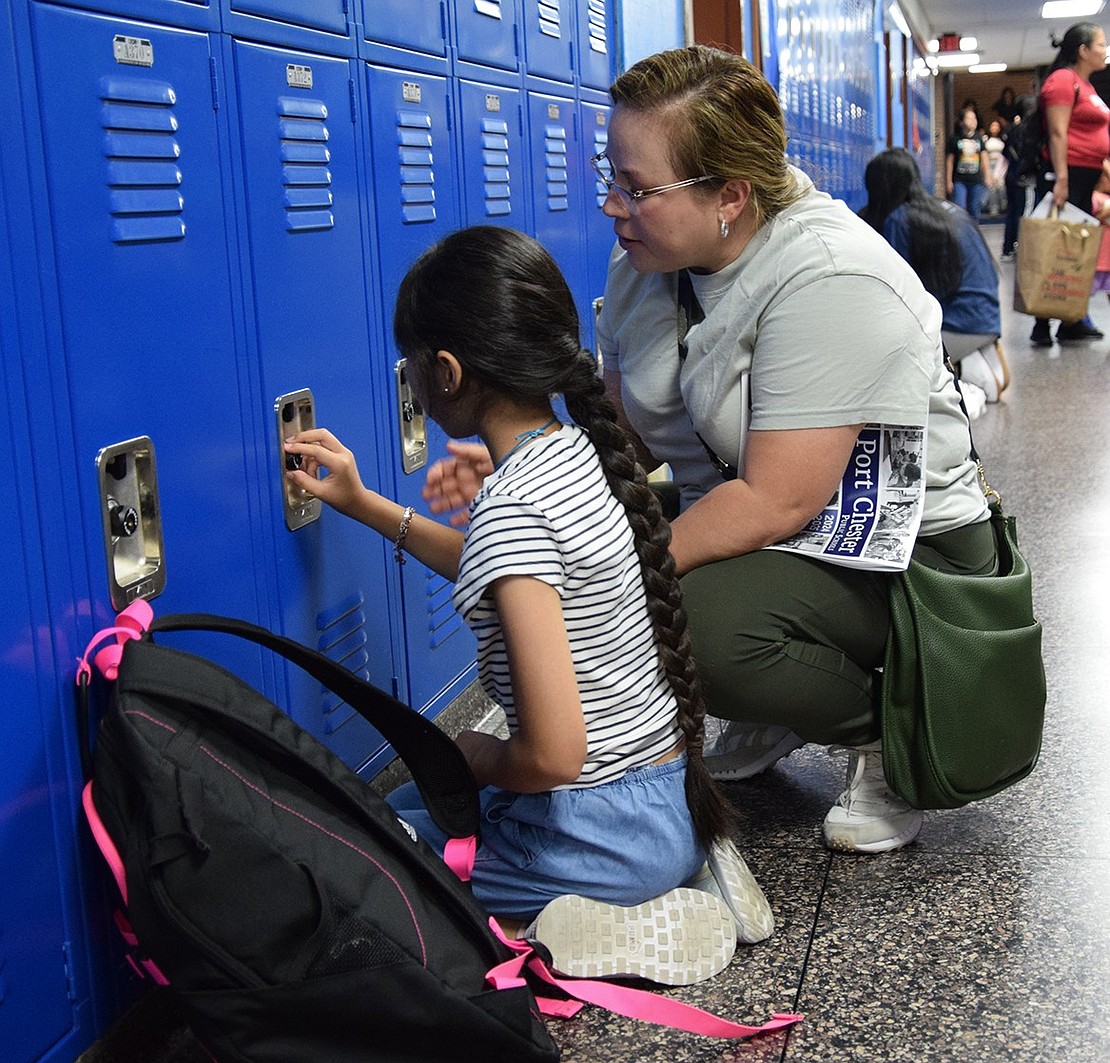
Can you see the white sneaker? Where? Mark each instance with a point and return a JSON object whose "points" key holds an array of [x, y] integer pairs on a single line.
{"points": [[742, 750], [682, 937], [975, 369], [727, 876], [868, 817]]}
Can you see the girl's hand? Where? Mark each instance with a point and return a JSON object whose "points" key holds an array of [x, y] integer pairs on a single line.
{"points": [[451, 483], [340, 486]]}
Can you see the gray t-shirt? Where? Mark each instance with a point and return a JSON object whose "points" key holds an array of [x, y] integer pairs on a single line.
{"points": [[835, 329]]}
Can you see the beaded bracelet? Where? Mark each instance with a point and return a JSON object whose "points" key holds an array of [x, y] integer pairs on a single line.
{"points": [[402, 531]]}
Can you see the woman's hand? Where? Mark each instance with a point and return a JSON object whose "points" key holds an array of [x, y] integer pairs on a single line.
{"points": [[451, 483], [341, 486]]}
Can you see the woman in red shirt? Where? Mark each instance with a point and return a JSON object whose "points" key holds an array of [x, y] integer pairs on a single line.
{"points": [[1078, 127]]}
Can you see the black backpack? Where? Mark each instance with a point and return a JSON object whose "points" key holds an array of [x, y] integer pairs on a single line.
{"points": [[1026, 148], [1024, 143], [292, 915]]}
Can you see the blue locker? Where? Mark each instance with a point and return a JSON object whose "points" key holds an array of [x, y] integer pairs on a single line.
{"points": [[415, 181], [187, 14], [559, 190], [596, 35], [328, 16], [491, 138], [549, 38], [146, 333], [411, 33], [486, 32], [37, 940], [45, 980], [303, 255], [599, 228]]}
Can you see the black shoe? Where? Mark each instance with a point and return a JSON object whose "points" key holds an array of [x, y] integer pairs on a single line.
{"points": [[1077, 330], [1040, 336]]}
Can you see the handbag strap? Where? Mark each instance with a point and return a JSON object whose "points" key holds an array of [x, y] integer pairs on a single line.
{"points": [[689, 314], [989, 492]]}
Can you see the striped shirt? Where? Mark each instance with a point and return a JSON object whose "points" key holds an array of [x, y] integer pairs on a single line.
{"points": [[548, 513]]}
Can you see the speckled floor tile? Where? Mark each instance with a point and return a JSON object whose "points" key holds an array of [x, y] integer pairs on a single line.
{"points": [[929, 958]]}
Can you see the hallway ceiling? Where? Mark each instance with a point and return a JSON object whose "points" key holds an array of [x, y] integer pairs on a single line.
{"points": [[1009, 31]]}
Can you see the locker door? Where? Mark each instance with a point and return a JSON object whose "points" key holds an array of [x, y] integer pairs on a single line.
{"points": [[415, 179], [34, 938], [548, 38], [596, 34], [304, 256], [327, 15], [599, 228], [492, 154], [38, 943], [146, 335], [485, 32], [558, 195], [417, 25]]}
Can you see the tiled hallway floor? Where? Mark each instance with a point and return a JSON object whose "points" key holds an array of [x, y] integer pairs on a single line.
{"points": [[987, 940]]}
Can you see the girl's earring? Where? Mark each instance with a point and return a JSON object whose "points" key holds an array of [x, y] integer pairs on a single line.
{"points": [[724, 228]]}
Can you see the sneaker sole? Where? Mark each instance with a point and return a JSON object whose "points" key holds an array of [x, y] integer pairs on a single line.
{"points": [[741, 893], [721, 773], [844, 843], [682, 937]]}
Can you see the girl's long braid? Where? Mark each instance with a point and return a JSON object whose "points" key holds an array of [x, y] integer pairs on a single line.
{"points": [[587, 402]]}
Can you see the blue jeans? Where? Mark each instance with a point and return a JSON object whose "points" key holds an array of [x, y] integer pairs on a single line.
{"points": [[1015, 209], [968, 196], [622, 842]]}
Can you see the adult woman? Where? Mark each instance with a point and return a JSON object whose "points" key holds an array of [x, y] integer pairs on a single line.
{"points": [[967, 165], [1078, 127], [837, 332], [948, 253]]}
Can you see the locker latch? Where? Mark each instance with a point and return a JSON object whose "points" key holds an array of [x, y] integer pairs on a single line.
{"points": [[132, 521], [413, 425], [296, 412]]}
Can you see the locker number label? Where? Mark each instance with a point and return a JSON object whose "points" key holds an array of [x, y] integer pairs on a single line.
{"points": [[298, 76], [553, 111], [493, 102], [411, 92], [133, 51]]}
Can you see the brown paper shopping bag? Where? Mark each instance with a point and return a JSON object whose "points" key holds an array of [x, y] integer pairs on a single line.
{"points": [[1056, 262]]}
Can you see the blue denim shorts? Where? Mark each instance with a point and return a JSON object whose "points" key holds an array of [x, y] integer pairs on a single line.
{"points": [[623, 842]]}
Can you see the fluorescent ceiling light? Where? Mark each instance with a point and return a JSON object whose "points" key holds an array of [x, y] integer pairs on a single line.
{"points": [[1071, 8], [987, 68], [969, 44], [957, 59], [899, 20]]}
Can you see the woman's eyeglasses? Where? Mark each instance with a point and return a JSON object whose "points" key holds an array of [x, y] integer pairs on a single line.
{"points": [[604, 170]]}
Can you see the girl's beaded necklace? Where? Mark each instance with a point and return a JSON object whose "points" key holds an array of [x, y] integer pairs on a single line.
{"points": [[524, 437]]}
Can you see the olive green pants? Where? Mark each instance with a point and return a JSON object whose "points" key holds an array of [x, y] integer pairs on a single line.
{"points": [[783, 639]]}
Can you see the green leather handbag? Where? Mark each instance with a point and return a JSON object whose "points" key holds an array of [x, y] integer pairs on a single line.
{"points": [[963, 686]]}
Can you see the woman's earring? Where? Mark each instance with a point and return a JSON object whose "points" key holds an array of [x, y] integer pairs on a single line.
{"points": [[724, 228]]}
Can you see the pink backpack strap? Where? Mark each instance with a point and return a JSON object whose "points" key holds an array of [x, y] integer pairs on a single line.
{"points": [[104, 841], [458, 855], [130, 624], [622, 1000]]}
